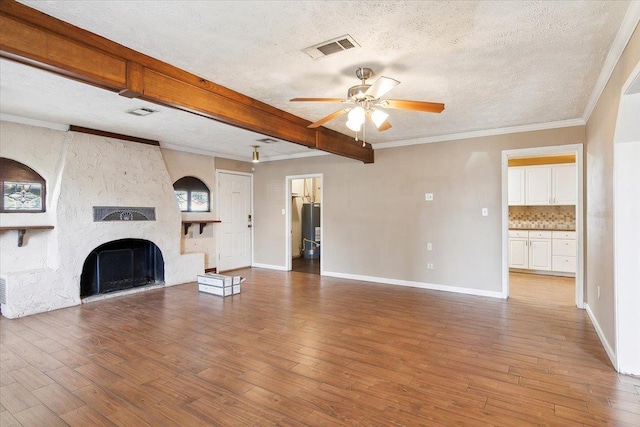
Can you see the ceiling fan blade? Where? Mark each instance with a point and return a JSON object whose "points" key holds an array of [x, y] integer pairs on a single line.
{"points": [[401, 104], [381, 86], [328, 118], [384, 126], [317, 100]]}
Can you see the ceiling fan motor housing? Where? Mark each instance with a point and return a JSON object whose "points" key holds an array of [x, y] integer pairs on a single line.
{"points": [[358, 92]]}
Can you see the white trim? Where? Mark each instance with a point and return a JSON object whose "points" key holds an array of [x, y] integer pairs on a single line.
{"points": [[607, 347], [33, 122], [628, 26], [217, 211], [577, 149], [422, 285], [482, 133], [269, 266], [287, 217]]}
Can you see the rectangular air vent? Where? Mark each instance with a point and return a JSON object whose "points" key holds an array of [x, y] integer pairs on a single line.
{"points": [[332, 46], [267, 140]]}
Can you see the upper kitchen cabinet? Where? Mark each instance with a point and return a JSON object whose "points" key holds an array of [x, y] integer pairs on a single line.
{"points": [[538, 185], [542, 185], [516, 186], [565, 184]]}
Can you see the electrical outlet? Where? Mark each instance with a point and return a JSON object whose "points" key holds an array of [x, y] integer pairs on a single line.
{"points": [[429, 266], [429, 247], [428, 197]]}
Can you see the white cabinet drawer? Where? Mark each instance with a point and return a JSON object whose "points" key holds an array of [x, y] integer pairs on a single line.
{"points": [[519, 233], [565, 264], [539, 234], [564, 247], [564, 235]]}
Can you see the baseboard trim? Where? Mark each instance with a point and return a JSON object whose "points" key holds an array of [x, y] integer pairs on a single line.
{"points": [[422, 285], [269, 266], [607, 347]]}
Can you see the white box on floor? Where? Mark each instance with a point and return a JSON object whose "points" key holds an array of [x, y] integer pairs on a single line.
{"points": [[236, 289], [221, 291], [236, 280], [215, 280]]}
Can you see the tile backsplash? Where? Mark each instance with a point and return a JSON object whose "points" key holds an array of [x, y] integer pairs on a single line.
{"points": [[543, 217]]}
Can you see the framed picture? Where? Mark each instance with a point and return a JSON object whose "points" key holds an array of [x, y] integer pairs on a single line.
{"points": [[22, 197]]}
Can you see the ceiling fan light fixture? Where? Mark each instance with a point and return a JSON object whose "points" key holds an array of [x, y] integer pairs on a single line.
{"points": [[357, 115], [354, 126], [378, 117], [256, 155]]}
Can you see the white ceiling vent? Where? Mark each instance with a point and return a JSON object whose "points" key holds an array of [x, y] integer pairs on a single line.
{"points": [[329, 47]]}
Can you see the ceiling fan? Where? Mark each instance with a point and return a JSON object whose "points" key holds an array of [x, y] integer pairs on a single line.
{"points": [[367, 103]]}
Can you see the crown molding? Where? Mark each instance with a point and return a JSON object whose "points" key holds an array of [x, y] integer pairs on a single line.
{"points": [[628, 26], [482, 133], [33, 122]]}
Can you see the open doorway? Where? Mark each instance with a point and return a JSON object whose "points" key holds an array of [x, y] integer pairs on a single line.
{"points": [[304, 223], [542, 223]]}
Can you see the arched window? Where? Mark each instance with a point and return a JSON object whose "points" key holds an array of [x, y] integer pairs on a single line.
{"points": [[23, 189], [192, 194]]}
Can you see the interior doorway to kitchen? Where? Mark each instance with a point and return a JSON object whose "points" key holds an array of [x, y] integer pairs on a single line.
{"points": [[542, 225], [304, 223]]}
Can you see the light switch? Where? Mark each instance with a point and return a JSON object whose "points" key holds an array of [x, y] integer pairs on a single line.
{"points": [[428, 197], [283, 212], [485, 212]]}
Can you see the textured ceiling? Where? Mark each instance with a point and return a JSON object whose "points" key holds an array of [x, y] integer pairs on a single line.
{"points": [[494, 64]]}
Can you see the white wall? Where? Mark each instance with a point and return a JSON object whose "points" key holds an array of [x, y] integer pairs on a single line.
{"points": [[627, 234]]}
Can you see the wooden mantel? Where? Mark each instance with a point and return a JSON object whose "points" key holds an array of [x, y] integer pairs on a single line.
{"points": [[22, 230], [36, 39]]}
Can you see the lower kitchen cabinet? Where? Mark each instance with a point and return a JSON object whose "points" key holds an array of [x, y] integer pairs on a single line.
{"points": [[542, 250]]}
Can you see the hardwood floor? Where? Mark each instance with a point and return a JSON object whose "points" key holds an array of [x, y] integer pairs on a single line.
{"points": [[301, 265], [298, 349]]}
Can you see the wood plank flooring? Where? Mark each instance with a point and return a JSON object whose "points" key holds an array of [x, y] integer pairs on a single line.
{"points": [[298, 349]]}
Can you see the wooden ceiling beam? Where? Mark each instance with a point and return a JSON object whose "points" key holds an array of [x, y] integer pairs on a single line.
{"points": [[36, 39]]}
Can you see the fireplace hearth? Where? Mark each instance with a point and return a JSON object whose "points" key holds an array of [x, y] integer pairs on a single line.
{"points": [[121, 264]]}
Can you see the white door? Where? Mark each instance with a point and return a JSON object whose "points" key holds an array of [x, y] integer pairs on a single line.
{"points": [[234, 208]]}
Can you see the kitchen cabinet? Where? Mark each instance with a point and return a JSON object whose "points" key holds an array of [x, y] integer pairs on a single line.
{"points": [[542, 185], [563, 251], [516, 186], [540, 250], [564, 185], [518, 249], [538, 185]]}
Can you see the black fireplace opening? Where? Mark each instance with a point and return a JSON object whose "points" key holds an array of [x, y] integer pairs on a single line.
{"points": [[121, 264]]}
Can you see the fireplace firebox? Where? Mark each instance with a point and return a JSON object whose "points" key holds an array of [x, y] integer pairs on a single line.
{"points": [[121, 264]]}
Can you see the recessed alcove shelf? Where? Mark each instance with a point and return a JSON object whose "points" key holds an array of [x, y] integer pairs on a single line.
{"points": [[22, 229], [202, 223]]}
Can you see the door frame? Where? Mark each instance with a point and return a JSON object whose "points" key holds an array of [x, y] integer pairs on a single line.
{"points": [[217, 212], [287, 228], [576, 149]]}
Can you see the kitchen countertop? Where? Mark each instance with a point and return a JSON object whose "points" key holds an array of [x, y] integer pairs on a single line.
{"points": [[543, 229]]}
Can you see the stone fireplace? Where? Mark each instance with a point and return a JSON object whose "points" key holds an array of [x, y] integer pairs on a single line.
{"points": [[83, 172]]}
